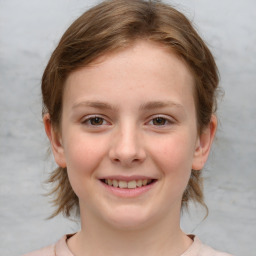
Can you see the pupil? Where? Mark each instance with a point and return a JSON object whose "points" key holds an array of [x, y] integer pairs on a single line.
{"points": [[96, 121], [159, 121]]}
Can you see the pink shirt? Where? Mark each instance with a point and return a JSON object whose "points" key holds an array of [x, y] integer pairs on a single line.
{"points": [[61, 249]]}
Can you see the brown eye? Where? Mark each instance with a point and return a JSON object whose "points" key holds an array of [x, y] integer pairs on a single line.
{"points": [[159, 121], [96, 121]]}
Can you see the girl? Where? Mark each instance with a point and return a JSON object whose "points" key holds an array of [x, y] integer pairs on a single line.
{"points": [[128, 106]]}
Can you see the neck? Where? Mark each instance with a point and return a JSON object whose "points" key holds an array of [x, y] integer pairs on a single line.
{"points": [[98, 238]]}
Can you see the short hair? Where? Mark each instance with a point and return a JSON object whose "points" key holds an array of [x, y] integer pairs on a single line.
{"points": [[113, 25]]}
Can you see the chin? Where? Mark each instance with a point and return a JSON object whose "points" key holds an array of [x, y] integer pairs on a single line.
{"points": [[129, 218]]}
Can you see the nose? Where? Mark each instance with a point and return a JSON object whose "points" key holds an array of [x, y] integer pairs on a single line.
{"points": [[127, 147]]}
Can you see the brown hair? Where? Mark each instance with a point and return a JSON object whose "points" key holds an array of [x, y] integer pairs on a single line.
{"points": [[113, 25]]}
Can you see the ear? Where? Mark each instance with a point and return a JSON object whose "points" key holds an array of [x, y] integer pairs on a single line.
{"points": [[203, 144], [55, 140]]}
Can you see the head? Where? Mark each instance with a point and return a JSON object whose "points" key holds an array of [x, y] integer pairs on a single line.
{"points": [[115, 25]]}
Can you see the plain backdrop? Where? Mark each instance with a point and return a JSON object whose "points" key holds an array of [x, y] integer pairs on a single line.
{"points": [[31, 29]]}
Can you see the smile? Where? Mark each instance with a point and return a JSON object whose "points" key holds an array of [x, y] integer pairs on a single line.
{"points": [[132, 184]]}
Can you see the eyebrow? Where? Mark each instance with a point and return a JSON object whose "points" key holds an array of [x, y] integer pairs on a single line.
{"points": [[146, 106], [94, 104], [159, 104]]}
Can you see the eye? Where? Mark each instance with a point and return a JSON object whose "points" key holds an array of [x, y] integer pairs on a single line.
{"points": [[94, 121], [159, 121]]}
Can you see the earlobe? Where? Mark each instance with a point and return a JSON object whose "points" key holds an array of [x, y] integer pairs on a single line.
{"points": [[55, 140], [204, 144]]}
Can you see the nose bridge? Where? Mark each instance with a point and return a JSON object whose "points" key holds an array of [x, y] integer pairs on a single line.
{"points": [[127, 148]]}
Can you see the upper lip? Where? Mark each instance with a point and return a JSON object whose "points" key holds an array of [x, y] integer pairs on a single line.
{"points": [[127, 178]]}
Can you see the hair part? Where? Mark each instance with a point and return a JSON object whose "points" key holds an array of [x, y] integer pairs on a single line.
{"points": [[113, 25]]}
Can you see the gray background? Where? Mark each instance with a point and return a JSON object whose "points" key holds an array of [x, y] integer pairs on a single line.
{"points": [[29, 31]]}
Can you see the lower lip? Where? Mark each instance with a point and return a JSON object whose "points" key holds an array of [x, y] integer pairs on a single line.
{"points": [[128, 192]]}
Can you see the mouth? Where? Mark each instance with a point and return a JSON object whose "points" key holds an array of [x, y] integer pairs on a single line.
{"points": [[132, 184]]}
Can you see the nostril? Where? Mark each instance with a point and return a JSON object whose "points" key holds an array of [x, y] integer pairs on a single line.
{"points": [[127, 161], [126, 155]]}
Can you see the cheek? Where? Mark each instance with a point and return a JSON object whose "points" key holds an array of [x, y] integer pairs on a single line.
{"points": [[174, 156], [175, 151], [83, 155]]}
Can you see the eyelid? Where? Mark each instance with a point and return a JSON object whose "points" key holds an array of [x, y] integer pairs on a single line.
{"points": [[87, 118], [170, 120]]}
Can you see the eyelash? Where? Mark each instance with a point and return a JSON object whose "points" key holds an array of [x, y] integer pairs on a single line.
{"points": [[100, 121], [88, 121], [167, 121]]}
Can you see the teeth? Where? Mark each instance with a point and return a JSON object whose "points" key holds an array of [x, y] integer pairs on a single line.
{"points": [[122, 184], [132, 184], [139, 183], [115, 183], [129, 184]]}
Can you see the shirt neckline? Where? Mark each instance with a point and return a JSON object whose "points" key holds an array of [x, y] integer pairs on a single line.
{"points": [[61, 247]]}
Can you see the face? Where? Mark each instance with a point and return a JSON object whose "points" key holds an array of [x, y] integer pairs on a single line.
{"points": [[129, 136]]}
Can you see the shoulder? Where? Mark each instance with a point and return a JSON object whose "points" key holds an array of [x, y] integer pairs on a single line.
{"points": [[208, 251], [58, 249], [200, 249], [47, 251]]}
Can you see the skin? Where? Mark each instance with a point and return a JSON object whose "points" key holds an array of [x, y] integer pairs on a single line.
{"points": [[131, 112]]}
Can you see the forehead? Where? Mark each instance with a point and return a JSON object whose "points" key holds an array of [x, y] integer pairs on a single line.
{"points": [[146, 65]]}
